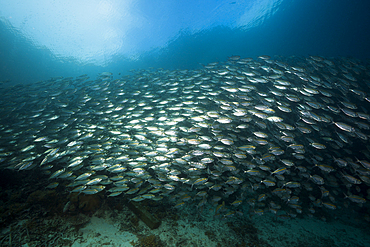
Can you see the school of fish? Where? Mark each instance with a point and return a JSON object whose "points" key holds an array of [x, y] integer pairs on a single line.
{"points": [[287, 136]]}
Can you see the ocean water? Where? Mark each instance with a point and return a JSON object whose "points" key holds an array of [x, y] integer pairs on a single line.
{"points": [[184, 123], [43, 40]]}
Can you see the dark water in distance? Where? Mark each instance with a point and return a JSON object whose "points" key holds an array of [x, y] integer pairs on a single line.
{"points": [[323, 28]]}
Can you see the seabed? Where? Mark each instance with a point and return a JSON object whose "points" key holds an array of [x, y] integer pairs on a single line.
{"points": [[39, 221]]}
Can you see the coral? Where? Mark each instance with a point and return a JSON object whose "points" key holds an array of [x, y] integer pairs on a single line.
{"points": [[41, 196], [10, 212], [89, 203], [134, 221], [149, 241], [85, 203], [49, 199]]}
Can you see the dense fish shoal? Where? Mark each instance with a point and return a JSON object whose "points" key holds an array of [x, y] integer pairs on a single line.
{"points": [[288, 136]]}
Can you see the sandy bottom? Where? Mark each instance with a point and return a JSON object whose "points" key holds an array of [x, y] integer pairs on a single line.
{"points": [[183, 228]]}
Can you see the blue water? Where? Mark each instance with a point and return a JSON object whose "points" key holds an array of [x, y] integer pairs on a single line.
{"points": [[44, 40]]}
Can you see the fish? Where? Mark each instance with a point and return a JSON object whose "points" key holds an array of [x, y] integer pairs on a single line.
{"points": [[266, 133]]}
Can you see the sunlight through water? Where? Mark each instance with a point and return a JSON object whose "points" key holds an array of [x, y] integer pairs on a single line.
{"points": [[96, 31]]}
